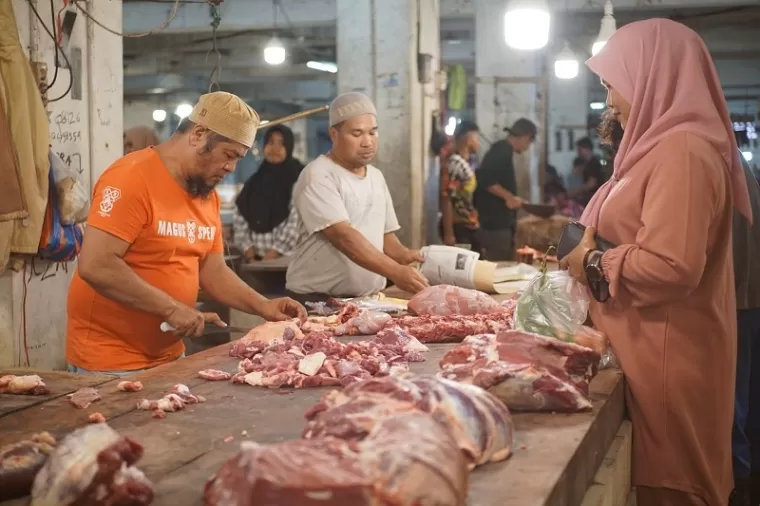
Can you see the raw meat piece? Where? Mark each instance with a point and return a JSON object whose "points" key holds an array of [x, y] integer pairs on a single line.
{"points": [[406, 461], [396, 336], [319, 360], [83, 397], [528, 372], [23, 385], [214, 375], [93, 466], [364, 323], [454, 328], [96, 418], [129, 386], [445, 300], [20, 462], [479, 423], [175, 400], [258, 338]]}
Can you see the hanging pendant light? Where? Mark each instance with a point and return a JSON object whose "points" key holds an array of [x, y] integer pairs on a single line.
{"points": [[608, 28], [566, 65], [274, 52], [527, 24]]}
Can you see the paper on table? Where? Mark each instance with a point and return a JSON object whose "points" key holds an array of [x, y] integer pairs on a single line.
{"points": [[456, 266], [447, 265]]}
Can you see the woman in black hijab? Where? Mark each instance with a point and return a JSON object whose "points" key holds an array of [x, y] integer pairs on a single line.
{"points": [[266, 223]]}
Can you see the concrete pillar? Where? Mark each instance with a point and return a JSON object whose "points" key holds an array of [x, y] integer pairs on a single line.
{"points": [[378, 47], [300, 133], [568, 113], [86, 131], [507, 88]]}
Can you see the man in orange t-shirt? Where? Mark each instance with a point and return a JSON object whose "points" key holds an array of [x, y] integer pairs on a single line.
{"points": [[153, 238]]}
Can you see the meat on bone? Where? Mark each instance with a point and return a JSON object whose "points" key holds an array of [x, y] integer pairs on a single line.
{"points": [[214, 375], [83, 397], [93, 466], [479, 423], [407, 460], [528, 372], [129, 386], [257, 339], [446, 300], [454, 328], [20, 462], [23, 385], [96, 418], [319, 360]]}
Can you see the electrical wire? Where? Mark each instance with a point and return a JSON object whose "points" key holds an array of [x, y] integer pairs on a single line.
{"points": [[55, 43], [63, 53], [172, 15], [216, 74]]}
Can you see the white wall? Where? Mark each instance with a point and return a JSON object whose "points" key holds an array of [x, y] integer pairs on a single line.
{"points": [[87, 132]]}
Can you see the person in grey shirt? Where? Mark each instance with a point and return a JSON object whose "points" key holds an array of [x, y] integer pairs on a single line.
{"points": [[745, 437], [349, 246]]}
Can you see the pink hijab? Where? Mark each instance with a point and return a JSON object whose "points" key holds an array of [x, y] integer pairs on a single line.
{"points": [[663, 69]]}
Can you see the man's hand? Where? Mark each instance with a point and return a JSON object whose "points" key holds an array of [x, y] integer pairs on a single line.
{"points": [[413, 256], [285, 308], [250, 254], [190, 322], [271, 255], [409, 279], [513, 202], [573, 262], [449, 240]]}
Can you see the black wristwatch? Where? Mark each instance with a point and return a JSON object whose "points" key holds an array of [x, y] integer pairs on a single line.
{"points": [[593, 266]]}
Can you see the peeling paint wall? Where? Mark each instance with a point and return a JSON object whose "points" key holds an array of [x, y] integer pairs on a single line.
{"points": [[86, 131]]}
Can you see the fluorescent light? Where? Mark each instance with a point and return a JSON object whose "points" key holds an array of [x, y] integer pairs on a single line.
{"points": [[597, 106], [526, 24], [323, 66], [274, 53], [747, 155], [608, 28], [451, 126], [566, 64], [159, 115], [183, 110]]}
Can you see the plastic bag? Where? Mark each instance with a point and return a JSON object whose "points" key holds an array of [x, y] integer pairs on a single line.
{"points": [[553, 305], [73, 198]]}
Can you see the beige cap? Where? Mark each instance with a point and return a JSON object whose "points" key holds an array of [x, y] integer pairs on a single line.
{"points": [[349, 105], [228, 115]]}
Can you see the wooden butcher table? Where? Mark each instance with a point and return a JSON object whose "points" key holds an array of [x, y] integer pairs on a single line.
{"points": [[556, 456]]}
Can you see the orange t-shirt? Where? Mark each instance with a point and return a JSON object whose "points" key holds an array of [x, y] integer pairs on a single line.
{"points": [[137, 200]]}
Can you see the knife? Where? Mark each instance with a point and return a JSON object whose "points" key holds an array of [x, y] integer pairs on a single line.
{"points": [[209, 329]]}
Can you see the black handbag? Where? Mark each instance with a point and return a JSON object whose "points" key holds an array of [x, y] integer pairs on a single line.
{"points": [[571, 236]]}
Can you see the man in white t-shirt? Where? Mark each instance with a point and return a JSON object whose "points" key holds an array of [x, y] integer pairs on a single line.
{"points": [[350, 245]]}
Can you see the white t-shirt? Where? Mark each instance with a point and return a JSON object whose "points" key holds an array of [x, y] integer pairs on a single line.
{"points": [[326, 194]]}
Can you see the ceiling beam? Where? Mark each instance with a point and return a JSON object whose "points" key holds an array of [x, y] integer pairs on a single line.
{"points": [[238, 15]]}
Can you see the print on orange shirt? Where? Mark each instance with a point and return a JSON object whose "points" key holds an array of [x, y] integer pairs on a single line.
{"points": [[170, 233]]}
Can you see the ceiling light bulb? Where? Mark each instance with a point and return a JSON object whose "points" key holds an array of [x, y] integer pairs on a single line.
{"points": [[566, 65], [608, 28], [159, 115], [274, 53], [527, 24], [183, 110], [323, 66]]}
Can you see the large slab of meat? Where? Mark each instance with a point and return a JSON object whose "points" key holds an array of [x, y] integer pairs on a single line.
{"points": [[479, 423], [528, 372], [454, 328], [318, 359], [259, 337], [93, 466], [408, 460], [445, 300], [23, 385], [20, 462]]}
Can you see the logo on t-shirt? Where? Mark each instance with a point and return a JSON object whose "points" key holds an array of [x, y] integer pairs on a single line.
{"points": [[190, 230], [109, 198]]}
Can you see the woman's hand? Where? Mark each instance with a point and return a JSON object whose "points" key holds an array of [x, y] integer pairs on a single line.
{"points": [[573, 262]]}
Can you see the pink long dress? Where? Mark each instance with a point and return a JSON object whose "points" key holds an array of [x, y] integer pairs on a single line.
{"points": [[672, 318]]}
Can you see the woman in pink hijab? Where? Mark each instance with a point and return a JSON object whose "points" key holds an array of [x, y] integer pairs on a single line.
{"points": [[671, 315]]}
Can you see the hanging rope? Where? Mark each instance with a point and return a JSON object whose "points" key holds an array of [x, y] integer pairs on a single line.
{"points": [[216, 74]]}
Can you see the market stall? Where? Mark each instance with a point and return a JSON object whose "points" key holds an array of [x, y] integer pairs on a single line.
{"points": [[555, 455]]}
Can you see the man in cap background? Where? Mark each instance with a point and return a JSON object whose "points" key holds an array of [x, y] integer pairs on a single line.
{"points": [[154, 236], [350, 245], [496, 196]]}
